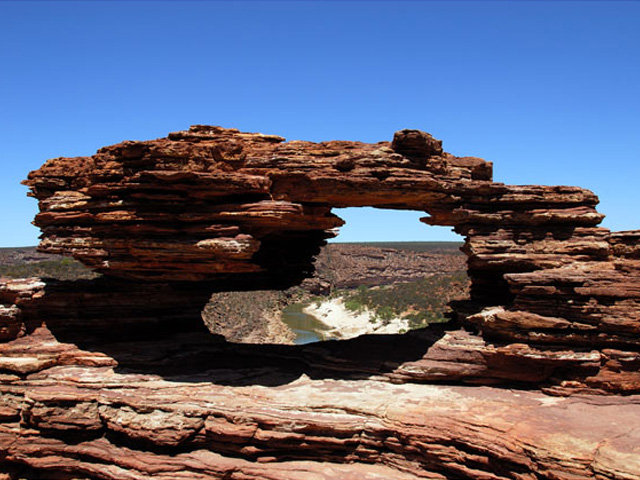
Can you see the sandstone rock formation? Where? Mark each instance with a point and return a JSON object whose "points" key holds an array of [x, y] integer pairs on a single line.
{"points": [[115, 377], [211, 203]]}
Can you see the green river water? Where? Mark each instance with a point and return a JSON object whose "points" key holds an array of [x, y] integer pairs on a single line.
{"points": [[307, 328]]}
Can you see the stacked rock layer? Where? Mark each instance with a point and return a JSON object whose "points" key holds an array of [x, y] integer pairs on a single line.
{"points": [[116, 377], [211, 203]]}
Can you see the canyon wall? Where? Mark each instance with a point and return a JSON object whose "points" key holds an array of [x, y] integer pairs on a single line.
{"points": [[116, 377]]}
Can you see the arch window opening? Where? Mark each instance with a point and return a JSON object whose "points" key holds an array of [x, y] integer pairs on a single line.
{"points": [[384, 273]]}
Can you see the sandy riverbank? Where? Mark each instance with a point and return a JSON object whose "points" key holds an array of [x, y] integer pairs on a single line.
{"points": [[343, 323]]}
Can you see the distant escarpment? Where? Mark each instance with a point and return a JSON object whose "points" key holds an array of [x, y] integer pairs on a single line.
{"points": [[353, 265], [116, 377]]}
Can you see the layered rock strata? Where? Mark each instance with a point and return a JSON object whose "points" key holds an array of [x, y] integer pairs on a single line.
{"points": [[189, 407], [116, 378], [213, 203]]}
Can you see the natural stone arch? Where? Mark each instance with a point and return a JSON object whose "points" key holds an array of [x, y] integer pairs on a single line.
{"points": [[170, 220], [213, 204], [213, 209]]}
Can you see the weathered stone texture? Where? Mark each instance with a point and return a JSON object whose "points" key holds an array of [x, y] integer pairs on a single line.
{"points": [[537, 377], [281, 412], [211, 202]]}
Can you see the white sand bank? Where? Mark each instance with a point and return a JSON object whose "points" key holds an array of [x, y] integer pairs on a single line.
{"points": [[342, 323]]}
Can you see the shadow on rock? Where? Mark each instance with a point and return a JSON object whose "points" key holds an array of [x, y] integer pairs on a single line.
{"points": [[158, 329], [201, 357]]}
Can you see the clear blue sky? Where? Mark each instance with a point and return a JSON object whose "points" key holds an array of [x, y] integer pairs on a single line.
{"points": [[547, 90]]}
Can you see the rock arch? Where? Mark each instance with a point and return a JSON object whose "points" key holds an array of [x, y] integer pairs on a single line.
{"points": [[210, 203], [109, 371], [214, 209]]}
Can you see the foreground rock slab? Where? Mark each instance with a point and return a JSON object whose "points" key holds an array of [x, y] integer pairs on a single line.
{"points": [[90, 421], [284, 412]]}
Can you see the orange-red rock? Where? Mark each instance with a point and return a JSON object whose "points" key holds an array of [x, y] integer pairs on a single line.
{"points": [[536, 378], [210, 203]]}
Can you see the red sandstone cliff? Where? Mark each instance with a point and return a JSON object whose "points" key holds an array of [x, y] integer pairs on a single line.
{"points": [[114, 377]]}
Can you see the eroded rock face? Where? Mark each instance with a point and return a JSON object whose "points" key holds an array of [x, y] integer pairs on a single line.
{"points": [[212, 203], [116, 377]]}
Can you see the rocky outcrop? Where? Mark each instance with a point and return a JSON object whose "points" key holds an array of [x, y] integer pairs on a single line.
{"points": [[211, 203], [249, 317], [116, 378]]}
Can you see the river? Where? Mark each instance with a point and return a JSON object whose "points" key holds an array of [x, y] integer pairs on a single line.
{"points": [[307, 328]]}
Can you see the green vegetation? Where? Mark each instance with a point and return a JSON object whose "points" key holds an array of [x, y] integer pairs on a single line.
{"points": [[446, 248], [61, 268], [421, 302]]}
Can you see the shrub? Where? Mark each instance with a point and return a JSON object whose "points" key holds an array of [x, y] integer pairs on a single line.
{"points": [[427, 299]]}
